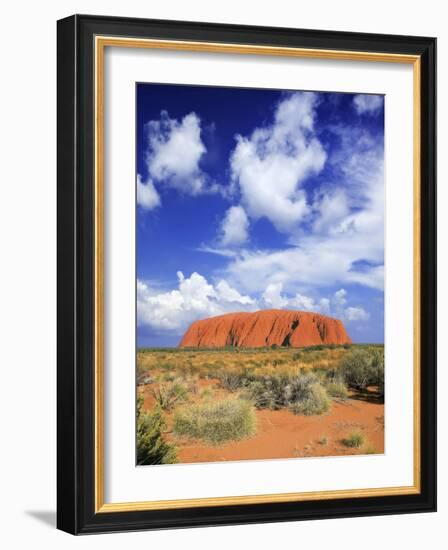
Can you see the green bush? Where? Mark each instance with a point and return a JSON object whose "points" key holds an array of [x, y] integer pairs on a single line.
{"points": [[267, 392], [364, 367], [317, 401], [377, 366], [151, 446], [227, 420], [302, 393], [355, 439]]}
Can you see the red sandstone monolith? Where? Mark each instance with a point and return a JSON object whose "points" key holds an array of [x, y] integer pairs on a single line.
{"points": [[265, 328]]}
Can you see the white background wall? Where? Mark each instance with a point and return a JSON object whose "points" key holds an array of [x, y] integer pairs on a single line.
{"points": [[27, 272]]}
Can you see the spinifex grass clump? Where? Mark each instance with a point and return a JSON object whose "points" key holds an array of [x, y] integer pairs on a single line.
{"points": [[217, 422]]}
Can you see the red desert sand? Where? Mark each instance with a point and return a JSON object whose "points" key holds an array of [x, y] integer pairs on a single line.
{"points": [[265, 328], [282, 434]]}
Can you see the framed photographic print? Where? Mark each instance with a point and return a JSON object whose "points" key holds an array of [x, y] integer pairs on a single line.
{"points": [[246, 274]]}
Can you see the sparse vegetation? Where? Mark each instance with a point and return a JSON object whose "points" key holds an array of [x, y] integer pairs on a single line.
{"points": [[302, 393], [226, 420], [169, 393], [232, 378], [207, 394], [364, 367], [316, 401], [215, 395], [151, 445], [354, 440], [337, 389]]}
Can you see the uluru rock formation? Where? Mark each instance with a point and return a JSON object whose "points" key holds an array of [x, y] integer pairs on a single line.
{"points": [[265, 328]]}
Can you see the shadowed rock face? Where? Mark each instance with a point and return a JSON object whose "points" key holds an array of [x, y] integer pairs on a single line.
{"points": [[264, 328]]}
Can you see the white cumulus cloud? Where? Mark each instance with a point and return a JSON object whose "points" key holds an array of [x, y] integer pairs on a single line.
{"points": [[272, 296], [270, 166], [307, 303], [369, 104], [194, 298], [334, 306], [230, 295], [234, 227], [147, 196], [347, 228], [175, 150], [340, 298], [331, 208], [356, 314]]}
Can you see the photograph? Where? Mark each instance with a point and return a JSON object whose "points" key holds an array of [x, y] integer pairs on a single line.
{"points": [[246, 264], [259, 261]]}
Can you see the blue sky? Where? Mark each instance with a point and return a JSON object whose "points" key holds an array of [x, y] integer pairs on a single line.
{"points": [[252, 199]]}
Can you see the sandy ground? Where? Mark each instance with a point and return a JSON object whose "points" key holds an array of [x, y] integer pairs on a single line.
{"points": [[282, 434]]}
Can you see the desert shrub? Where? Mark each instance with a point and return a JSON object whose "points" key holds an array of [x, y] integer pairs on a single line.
{"points": [[317, 401], [297, 388], [232, 379], [302, 393], [323, 440], [151, 446], [377, 368], [170, 393], [268, 388], [266, 394], [355, 368], [229, 379], [354, 440], [363, 367], [216, 422], [337, 388]]}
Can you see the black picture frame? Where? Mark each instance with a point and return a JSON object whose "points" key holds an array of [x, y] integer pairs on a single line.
{"points": [[76, 512]]}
